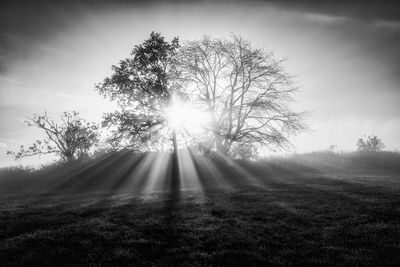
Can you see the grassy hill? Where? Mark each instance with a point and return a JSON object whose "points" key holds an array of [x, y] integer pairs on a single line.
{"points": [[124, 209]]}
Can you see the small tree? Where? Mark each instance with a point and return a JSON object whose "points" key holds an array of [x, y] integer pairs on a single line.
{"points": [[372, 144], [70, 139]]}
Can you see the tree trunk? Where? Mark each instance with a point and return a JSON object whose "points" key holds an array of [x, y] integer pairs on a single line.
{"points": [[175, 179], [69, 158], [219, 145], [174, 142]]}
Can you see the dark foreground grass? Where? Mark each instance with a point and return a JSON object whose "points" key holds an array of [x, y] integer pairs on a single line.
{"points": [[314, 220]]}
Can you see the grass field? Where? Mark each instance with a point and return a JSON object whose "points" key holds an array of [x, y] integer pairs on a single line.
{"points": [[311, 210]]}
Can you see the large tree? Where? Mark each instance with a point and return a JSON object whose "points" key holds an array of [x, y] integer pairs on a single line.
{"points": [[143, 85], [70, 138], [245, 90]]}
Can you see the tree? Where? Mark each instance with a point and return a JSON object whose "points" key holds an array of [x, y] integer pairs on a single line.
{"points": [[72, 138], [371, 144], [245, 91], [143, 86]]}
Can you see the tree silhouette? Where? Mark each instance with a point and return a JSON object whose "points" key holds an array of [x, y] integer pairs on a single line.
{"points": [[143, 85], [245, 91], [70, 139]]}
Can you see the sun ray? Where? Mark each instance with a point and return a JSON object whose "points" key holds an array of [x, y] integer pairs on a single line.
{"points": [[187, 171], [158, 173], [244, 174], [139, 176]]}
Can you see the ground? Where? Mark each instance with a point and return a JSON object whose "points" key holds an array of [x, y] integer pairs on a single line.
{"points": [[288, 218]]}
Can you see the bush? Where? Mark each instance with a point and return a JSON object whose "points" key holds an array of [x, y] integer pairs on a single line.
{"points": [[371, 144]]}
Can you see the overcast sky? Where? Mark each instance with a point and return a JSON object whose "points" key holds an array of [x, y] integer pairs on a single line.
{"points": [[345, 55]]}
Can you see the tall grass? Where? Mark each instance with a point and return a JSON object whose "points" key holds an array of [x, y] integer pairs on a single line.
{"points": [[30, 180], [348, 162]]}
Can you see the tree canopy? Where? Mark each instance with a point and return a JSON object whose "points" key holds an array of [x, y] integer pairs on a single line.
{"points": [[244, 91], [143, 86]]}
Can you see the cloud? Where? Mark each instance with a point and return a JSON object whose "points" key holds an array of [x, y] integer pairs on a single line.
{"points": [[388, 24], [324, 18], [7, 140], [24, 25], [363, 10], [73, 96]]}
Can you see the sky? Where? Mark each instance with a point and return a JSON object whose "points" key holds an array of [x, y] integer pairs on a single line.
{"points": [[345, 56]]}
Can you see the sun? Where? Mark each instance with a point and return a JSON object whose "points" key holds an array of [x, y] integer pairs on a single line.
{"points": [[183, 116]]}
